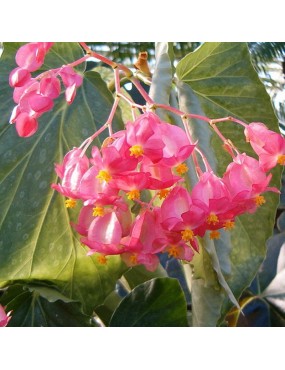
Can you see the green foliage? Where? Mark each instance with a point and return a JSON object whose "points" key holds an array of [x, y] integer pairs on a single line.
{"points": [[157, 302]]}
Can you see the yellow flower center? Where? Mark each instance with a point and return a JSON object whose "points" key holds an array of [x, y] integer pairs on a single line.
{"points": [[259, 200], [212, 219], [173, 251], [181, 169], [229, 225], [104, 176], [187, 235], [98, 211], [163, 193], [70, 203], [133, 194], [281, 159], [215, 234], [133, 259], [101, 258], [136, 151]]}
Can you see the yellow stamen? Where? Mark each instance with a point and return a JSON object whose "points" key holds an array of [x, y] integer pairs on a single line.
{"points": [[133, 259], [136, 151], [104, 176], [133, 194], [101, 258], [212, 219], [281, 159], [259, 200], [229, 225], [187, 235], [181, 169], [163, 193], [173, 251], [215, 234], [98, 211], [70, 203]]}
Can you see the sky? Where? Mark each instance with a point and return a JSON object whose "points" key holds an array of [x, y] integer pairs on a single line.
{"points": [[128, 20]]}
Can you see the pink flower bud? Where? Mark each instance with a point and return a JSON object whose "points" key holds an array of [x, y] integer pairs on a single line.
{"points": [[4, 318], [50, 86], [19, 77], [30, 56], [26, 125]]}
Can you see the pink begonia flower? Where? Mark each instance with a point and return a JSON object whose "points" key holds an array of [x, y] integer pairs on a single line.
{"points": [[105, 232], [212, 191], [246, 181], [30, 85], [161, 176], [176, 144], [142, 245], [50, 86], [71, 81], [4, 317], [177, 248], [141, 239], [93, 189], [26, 125], [19, 77], [150, 261], [70, 172], [267, 144], [183, 216], [144, 137], [31, 56]]}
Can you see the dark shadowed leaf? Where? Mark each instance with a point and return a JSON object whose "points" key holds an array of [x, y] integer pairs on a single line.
{"points": [[158, 302]]}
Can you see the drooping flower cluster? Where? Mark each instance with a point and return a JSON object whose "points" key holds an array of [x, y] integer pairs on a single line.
{"points": [[35, 95], [136, 203], [4, 317]]}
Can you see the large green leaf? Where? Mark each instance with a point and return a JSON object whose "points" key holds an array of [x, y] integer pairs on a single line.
{"points": [[157, 302], [218, 80], [34, 305], [36, 239]]}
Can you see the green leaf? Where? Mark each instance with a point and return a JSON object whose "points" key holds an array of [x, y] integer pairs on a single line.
{"points": [[36, 239], [218, 80], [35, 305], [158, 302]]}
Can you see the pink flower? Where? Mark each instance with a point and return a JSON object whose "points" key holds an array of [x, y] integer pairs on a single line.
{"points": [[31, 56], [19, 77], [212, 191], [267, 144], [26, 125], [71, 172], [161, 176], [50, 86], [106, 231], [141, 239], [246, 181], [181, 216], [71, 81], [141, 245], [4, 318], [176, 144], [144, 137]]}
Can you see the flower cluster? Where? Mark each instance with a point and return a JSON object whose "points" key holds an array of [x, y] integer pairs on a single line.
{"points": [[4, 317], [135, 201], [35, 95]]}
